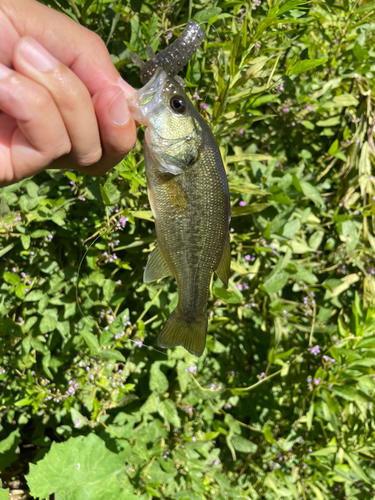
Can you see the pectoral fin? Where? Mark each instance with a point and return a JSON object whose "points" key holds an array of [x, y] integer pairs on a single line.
{"points": [[223, 269], [156, 268]]}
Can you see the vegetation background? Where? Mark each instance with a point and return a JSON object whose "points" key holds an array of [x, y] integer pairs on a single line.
{"points": [[281, 403]]}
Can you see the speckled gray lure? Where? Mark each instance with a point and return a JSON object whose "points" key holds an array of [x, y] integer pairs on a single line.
{"points": [[175, 56]]}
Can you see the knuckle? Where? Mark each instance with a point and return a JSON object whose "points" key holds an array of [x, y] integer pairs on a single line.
{"points": [[96, 42], [90, 158], [62, 148]]}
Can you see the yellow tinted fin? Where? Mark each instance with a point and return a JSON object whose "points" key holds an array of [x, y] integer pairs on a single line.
{"points": [[223, 269], [156, 268], [190, 334]]}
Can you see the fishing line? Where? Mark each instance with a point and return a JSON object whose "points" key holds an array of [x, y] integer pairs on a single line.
{"points": [[85, 317]]}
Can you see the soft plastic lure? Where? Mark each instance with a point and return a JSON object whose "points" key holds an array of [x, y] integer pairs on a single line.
{"points": [[175, 56]]}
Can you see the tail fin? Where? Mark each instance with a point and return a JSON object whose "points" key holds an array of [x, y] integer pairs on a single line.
{"points": [[191, 334]]}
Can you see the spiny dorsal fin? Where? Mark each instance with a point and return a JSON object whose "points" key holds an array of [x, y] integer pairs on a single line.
{"points": [[156, 268], [223, 269]]}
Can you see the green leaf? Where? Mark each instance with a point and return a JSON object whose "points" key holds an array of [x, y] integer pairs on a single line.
{"points": [[276, 282], [105, 197], [350, 393], [7, 449], [34, 296], [243, 445], [82, 466], [345, 100], [206, 14], [249, 209], [4, 494], [305, 65], [112, 354], [40, 233], [91, 341], [25, 240], [168, 411], [158, 381], [333, 148], [12, 279], [48, 324], [330, 122]]}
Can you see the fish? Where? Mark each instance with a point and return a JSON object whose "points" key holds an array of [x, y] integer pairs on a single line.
{"points": [[189, 198]]}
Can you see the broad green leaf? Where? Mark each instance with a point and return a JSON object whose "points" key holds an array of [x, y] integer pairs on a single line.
{"points": [[48, 324], [206, 14], [276, 282], [158, 381], [111, 354], [12, 279], [306, 65], [168, 411], [91, 341], [243, 445], [7, 449], [81, 466]]}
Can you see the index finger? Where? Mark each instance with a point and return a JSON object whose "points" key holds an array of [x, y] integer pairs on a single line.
{"points": [[74, 45]]}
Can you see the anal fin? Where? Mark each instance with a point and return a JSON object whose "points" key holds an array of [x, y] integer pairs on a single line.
{"points": [[157, 267], [223, 269]]}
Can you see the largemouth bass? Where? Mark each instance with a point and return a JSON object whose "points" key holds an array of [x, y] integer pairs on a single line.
{"points": [[189, 197]]}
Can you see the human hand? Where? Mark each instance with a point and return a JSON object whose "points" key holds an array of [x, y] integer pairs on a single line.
{"points": [[63, 103]]}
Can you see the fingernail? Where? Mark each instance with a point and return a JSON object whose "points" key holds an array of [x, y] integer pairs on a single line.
{"points": [[118, 109], [37, 56], [4, 71], [128, 89]]}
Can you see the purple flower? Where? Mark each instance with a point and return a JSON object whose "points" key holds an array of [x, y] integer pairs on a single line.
{"points": [[196, 96], [78, 422], [247, 257], [240, 287], [212, 387], [261, 375], [308, 108], [286, 110], [169, 35], [317, 381], [82, 198], [315, 350], [123, 221], [203, 105], [192, 369], [240, 131], [242, 203]]}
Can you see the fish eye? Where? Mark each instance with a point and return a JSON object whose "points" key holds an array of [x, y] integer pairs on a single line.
{"points": [[178, 104]]}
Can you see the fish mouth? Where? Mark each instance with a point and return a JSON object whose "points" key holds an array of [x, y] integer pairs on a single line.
{"points": [[146, 99]]}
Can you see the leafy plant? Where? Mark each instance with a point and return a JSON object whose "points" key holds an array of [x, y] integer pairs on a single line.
{"points": [[281, 404]]}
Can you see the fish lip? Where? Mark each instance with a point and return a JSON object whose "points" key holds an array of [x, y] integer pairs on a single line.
{"points": [[143, 101]]}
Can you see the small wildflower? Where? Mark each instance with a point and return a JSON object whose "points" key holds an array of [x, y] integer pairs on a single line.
{"points": [[203, 105], [308, 108], [247, 257], [212, 387], [169, 35], [315, 350], [192, 369], [261, 375], [78, 422], [123, 221], [242, 203], [240, 131], [317, 381], [196, 96]]}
